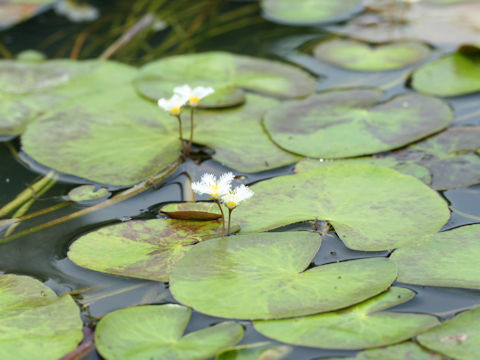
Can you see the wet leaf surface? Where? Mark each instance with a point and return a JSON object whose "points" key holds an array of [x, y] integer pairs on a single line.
{"points": [[142, 249], [227, 73], [192, 211], [343, 123], [156, 332], [233, 278], [111, 138], [458, 338], [356, 55], [262, 351], [33, 320], [449, 259], [453, 75], [405, 351], [363, 203], [310, 11], [87, 192], [238, 137], [445, 161], [361, 326]]}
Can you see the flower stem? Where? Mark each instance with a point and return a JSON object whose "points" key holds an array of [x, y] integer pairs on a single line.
{"points": [[229, 219], [223, 217], [190, 142], [180, 131]]}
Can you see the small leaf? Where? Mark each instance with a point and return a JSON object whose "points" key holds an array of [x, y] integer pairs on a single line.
{"points": [[192, 211], [87, 192]]}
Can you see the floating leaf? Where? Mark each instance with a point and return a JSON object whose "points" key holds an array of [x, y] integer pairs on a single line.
{"points": [[343, 123], [142, 249], [226, 73], [156, 332], [363, 203], [453, 75], [356, 55], [192, 211], [30, 89], [449, 258], [232, 277], [34, 322], [238, 137], [406, 351], [361, 326], [87, 192], [309, 12], [257, 351], [113, 137], [458, 338], [445, 161]]}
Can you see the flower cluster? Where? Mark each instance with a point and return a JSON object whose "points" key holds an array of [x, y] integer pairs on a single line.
{"points": [[221, 190], [183, 95]]}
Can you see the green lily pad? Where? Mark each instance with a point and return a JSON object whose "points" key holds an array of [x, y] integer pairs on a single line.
{"points": [[362, 202], [113, 137], [233, 278], [358, 327], [30, 89], [238, 137], [156, 332], [258, 351], [448, 160], [449, 258], [307, 12], [458, 338], [198, 211], [227, 73], [453, 75], [34, 322], [343, 123], [356, 55], [87, 192], [405, 351], [142, 249]]}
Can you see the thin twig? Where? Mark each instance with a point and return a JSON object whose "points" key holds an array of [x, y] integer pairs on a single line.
{"points": [[142, 24]]}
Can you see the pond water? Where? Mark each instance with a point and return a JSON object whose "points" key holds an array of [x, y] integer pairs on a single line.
{"points": [[240, 29]]}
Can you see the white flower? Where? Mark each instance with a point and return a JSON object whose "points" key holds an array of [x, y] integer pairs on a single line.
{"points": [[174, 104], [210, 185], [237, 195], [193, 95], [75, 11]]}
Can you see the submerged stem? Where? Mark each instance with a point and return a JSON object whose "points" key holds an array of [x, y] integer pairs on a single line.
{"points": [[223, 217]]}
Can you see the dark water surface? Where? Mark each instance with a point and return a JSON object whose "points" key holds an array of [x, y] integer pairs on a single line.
{"points": [[43, 254]]}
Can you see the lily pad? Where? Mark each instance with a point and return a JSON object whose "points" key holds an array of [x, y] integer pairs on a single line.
{"points": [[343, 123], [348, 122], [406, 351], [453, 75], [362, 202], [142, 249], [248, 147], [356, 55], [156, 332], [30, 89], [233, 278], [87, 192], [113, 137], [192, 211], [448, 160], [34, 322], [458, 338], [225, 72], [257, 351], [449, 258], [358, 327], [309, 12]]}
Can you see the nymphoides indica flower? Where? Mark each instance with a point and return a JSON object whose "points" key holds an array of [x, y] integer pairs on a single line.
{"points": [[212, 186], [193, 95], [174, 104], [236, 196]]}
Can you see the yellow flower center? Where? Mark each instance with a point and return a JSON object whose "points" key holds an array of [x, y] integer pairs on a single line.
{"points": [[175, 111], [231, 204], [214, 191], [194, 100]]}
